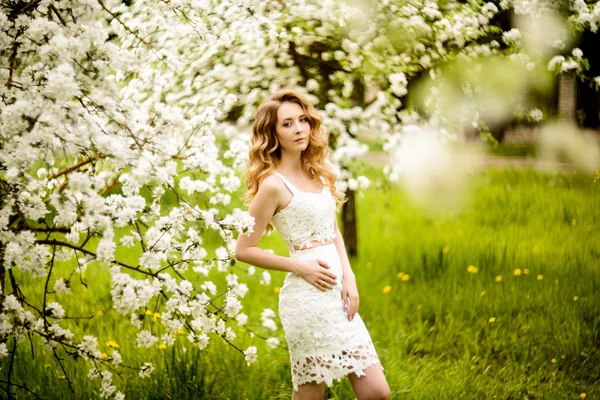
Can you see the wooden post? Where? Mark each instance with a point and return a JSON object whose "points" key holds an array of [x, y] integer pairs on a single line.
{"points": [[567, 97]]}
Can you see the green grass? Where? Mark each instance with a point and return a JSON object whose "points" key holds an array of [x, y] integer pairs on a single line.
{"points": [[433, 331], [521, 149]]}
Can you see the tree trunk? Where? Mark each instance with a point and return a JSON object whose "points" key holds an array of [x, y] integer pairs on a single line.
{"points": [[349, 224]]}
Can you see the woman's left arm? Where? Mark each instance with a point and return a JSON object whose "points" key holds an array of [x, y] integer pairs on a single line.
{"points": [[349, 289]]}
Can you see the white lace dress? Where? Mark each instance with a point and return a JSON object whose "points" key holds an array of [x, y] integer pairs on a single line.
{"points": [[324, 346]]}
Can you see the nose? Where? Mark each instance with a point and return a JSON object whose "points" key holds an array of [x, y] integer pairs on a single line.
{"points": [[298, 126]]}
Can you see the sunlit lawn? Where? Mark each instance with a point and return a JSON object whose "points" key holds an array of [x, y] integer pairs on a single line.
{"points": [[524, 323]]}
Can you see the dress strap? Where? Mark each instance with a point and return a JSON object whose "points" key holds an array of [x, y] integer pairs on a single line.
{"points": [[292, 188]]}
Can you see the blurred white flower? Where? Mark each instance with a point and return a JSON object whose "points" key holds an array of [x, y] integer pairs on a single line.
{"points": [[145, 339], [250, 355], [432, 175], [265, 278], [146, 370], [241, 319], [3, 350], [60, 286], [564, 143], [273, 342], [536, 114]]}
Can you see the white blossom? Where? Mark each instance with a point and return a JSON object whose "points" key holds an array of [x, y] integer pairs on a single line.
{"points": [[241, 319], [146, 370], [265, 278], [232, 306], [273, 342], [145, 339], [107, 388], [89, 347], [536, 114], [3, 350], [60, 286], [56, 309], [250, 355]]}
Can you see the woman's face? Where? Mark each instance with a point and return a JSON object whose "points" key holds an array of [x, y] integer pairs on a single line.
{"points": [[293, 128]]}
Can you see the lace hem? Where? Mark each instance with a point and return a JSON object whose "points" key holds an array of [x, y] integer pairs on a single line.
{"points": [[308, 243], [318, 369]]}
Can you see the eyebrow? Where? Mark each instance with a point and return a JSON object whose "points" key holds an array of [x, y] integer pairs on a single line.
{"points": [[301, 115]]}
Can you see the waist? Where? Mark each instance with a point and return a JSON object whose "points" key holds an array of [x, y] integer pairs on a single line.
{"points": [[327, 248], [313, 244]]}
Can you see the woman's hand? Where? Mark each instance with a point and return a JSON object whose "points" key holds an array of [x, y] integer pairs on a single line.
{"points": [[350, 296], [316, 273]]}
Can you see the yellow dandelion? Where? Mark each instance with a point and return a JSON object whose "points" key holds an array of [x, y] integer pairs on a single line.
{"points": [[405, 277], [111, 343], [99, 313], [47, 365], [540, 277], [446, 249], [574, 221], [492, 319], [276, 289], [582, 396], [387, 289], [400, 275], [499, 278], [483, 293], [180, 331], [369, 265], [155, 316], [104, 356], [525, 271], [162, 346], [575, 298], [472, 269], [553, 360], [62, 377], [518, 272], [148, 312]]}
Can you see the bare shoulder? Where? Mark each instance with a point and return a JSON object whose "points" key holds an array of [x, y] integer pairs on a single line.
{"points": [[271, 185]]}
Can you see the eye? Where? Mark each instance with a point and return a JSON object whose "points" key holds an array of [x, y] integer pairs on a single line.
{"points": [[286, 124], [303, 119]]}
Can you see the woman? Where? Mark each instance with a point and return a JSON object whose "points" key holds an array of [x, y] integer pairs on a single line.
{"points": [[291, 185]]}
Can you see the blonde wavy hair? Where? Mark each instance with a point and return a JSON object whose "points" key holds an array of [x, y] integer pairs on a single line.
{"points": [[265, 153]]}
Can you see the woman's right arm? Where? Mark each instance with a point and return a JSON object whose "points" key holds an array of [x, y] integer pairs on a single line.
{"points": [[262, 208]]}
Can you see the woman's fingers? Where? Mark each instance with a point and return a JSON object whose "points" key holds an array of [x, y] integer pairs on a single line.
{"points": [[320, 277], [330, 280], [322, 285], [345, 299], [326, 275], [354, 307]]}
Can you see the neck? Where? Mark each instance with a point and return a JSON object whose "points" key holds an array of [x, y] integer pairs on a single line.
{"points": [[290, 162]]}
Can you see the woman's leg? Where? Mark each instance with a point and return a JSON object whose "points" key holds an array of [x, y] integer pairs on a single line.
{"points": [[372, 385], [309, 391]]}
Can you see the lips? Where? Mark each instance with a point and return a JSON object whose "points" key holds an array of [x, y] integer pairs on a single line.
{"points": [[298, 140]]}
